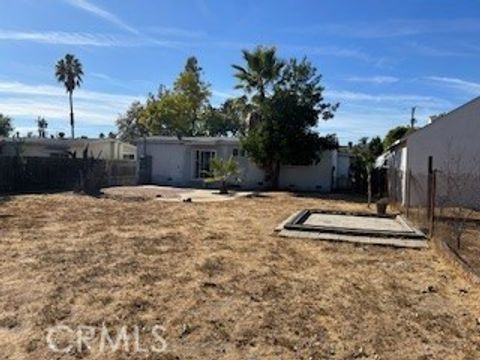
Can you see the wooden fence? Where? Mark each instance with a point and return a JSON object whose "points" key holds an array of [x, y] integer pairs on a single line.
{"points": [[36, 174]]}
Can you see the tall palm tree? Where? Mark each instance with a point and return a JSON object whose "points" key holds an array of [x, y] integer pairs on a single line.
{"points": [[261, 70], [42, 125], [69, 72]]}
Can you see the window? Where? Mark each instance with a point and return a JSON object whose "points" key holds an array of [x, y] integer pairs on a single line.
{"points": [[128, 157], [202, 163], [243, 153], [235, 152]]}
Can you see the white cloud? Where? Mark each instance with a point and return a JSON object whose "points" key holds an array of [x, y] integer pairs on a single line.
{"points": [[352, 96], [86, 39], [393, 28], [104, 14], [329, 51], [68, 38], [365, 114], [176, 32], [374, 79], [225, 94], [91, 107], [463, 85]]}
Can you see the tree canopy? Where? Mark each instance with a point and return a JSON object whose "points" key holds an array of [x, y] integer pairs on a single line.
{"points": [[261, 72], [129, 126], [395, 134], [177, 111], [287, 115], [226, 120], [5, 125]]}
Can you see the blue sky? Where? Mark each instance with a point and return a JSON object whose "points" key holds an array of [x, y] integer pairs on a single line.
{"points": [[378, 58]]}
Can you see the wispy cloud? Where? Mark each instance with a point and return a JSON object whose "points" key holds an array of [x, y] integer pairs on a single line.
{"points": [[65, 38], [91, 107], [428, 50], [460, 84], [379, 79], [85, 39], [370, 114], [102, 13], [176, 32], [392, 28], [336, 51], [412, 99]]}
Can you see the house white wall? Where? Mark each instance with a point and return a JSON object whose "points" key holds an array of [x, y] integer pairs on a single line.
{"points": [[453, 141], [173, 163], [316, 177], [105, 149], [342, 175]]}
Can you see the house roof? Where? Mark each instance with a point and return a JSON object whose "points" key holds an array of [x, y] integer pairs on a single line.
{"points": [[56, 142], [195, 140]]}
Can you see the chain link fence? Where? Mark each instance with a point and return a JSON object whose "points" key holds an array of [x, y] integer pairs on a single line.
{"points": [[445, 204]]}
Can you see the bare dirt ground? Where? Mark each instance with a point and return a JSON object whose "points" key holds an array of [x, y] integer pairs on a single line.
{"points": [[221, 284]]}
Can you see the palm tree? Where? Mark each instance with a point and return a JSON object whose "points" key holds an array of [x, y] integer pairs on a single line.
{"points": [[42, 126], [262, 69], [69, 72], [223, 171]]}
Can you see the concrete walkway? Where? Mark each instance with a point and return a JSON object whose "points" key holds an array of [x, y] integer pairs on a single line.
{"points": [[172, 194]]}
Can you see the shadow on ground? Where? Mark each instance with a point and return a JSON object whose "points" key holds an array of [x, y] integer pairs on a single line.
{"points": [[356, 198]]}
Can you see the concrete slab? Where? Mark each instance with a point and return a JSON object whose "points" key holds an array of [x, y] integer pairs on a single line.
{"points": [[362, 228], [361, 222], [358, 239]]}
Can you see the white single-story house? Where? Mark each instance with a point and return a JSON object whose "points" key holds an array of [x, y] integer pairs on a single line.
{"points": [[185, 162], [453, 143], [105, 149]]}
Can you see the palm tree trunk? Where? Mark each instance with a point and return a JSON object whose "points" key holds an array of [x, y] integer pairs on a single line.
{"points": [[72, 121]]}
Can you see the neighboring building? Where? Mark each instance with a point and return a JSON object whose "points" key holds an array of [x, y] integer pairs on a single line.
{"points": [[105, 149], [185, 162], [452, 140]]}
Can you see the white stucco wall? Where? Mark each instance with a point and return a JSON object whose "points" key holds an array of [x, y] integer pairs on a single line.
{"points": [[454, 143], [168, 163], [316, 177], [342, 180], [173, 163]]}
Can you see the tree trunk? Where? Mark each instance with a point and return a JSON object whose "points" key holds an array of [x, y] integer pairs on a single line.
{"points": [[72, 121], [223, 188], [275, 175]]}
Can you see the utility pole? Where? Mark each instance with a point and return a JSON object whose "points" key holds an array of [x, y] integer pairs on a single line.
{"points": [[413, 121]]}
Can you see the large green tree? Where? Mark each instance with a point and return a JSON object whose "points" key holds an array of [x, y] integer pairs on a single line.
{"points": [[129, 125], [69, 71], [177, 111], [287, 116], [226, 120], [5, 125]]}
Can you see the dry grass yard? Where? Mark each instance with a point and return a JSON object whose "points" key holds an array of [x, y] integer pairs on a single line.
{"points": [[221, 284]]}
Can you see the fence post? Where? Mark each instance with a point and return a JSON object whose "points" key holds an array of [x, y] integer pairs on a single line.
{"points": [[429, 188], [407, 191], [432, 202]]}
